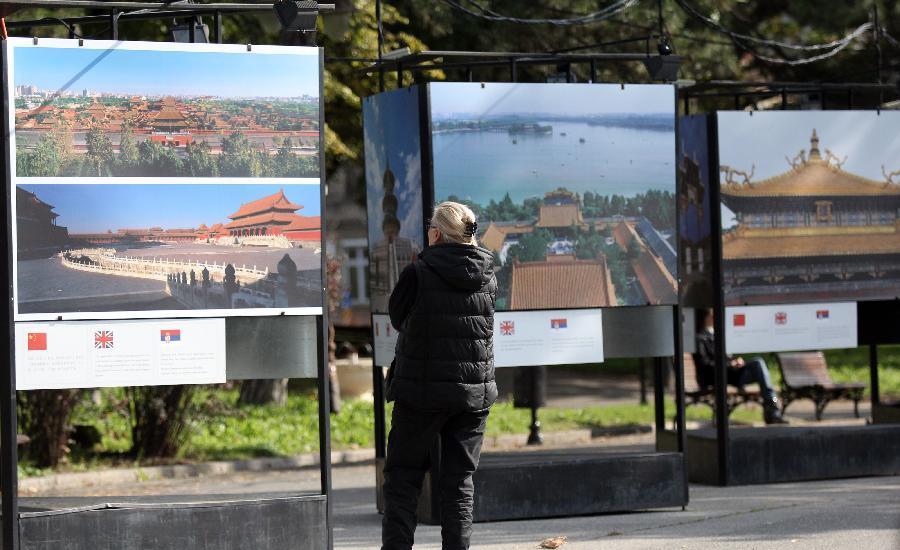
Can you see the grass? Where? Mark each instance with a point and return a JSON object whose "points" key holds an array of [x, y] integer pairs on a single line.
{"points": [[220, 429]]}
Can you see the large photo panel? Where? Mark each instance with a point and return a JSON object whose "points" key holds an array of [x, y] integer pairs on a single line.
{"points": [[573, 186], [810, 203], [393, 188], [100, 111], [148, 181]]}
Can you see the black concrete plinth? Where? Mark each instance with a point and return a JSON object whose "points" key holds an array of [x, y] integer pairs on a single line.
{"points": [[783, 454], [568, 482], [886, 413], [219, 522]]}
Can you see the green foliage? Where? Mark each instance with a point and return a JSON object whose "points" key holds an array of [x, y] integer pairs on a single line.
{"points": [[200, 161], [99, 152], [532, 247]]}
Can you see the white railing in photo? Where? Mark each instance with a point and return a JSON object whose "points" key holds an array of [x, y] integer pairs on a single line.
{"points": [[106, 260]]}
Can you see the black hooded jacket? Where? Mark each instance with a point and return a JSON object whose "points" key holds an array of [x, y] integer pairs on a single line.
{"points": [[443, 309]]}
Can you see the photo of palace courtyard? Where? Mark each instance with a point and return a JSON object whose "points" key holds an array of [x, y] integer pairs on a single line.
{"points": [[265, 255]]}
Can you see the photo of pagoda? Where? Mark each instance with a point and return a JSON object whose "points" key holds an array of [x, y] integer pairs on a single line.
{"points": [[816, 230], [396, 228]]}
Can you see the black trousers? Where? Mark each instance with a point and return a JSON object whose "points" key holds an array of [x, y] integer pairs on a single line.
{"points": [[412, 436]]}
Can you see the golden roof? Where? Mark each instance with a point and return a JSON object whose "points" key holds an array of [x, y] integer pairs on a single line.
{"points": [[623, 234], [655, 280], [557, 285], [791, 246], [559, 215], [813, 176], [495, 235]]}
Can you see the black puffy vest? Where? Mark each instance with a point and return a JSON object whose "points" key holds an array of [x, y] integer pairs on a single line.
{"points": [[444, 358]]}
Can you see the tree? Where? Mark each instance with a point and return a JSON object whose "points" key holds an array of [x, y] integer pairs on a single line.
{"points": [[200, 161], [158, 419], [237, 158], [99, 151], [532, 246], [44, 417], [159, 160], [129, 156]]}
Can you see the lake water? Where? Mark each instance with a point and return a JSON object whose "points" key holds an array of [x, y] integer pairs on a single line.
{"points": [[483, 165]]}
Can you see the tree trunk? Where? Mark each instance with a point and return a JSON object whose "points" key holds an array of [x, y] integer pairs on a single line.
{"points": [[158, 419], [264, 392], [44, 417]]}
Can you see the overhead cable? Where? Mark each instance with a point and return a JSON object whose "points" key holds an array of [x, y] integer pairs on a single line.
{"points": [[489, 15], [865, 27]]}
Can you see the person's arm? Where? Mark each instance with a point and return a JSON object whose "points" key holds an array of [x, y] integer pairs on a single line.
{"points": [[705, 358], [403, 297]]}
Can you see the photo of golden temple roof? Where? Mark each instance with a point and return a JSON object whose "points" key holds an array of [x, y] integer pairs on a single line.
{"points": [[814, 228], [814, 175]]}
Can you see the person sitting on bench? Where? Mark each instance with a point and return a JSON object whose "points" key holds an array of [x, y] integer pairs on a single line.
{"points": [[740, 372]]}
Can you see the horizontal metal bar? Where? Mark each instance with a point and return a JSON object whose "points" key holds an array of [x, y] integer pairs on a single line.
{"points": [[169, 6], [413, 63], [778, 86]]}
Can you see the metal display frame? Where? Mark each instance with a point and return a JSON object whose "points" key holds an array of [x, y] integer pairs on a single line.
{"points": [[747, 95], [8, 415], [419, 64]]}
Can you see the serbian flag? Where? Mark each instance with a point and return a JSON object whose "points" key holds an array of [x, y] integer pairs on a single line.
{"points": [[822, 314], [37, 341], [170, 335], [559, 323]]}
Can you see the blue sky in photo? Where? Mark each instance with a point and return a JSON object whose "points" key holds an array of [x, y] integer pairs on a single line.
{"points": [[866, 138], [761, 142], [96, 208], [452, 98], [391, 130], [142, 72]]}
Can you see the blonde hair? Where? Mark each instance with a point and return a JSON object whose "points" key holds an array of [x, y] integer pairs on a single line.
{"points": [[456, 222]]}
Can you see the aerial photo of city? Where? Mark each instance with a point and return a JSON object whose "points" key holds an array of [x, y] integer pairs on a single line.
{"points": [[109, 247], [573, 186], [87, 112]]}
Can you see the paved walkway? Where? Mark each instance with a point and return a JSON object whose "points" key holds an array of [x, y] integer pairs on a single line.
{"points": [[853, 514]]}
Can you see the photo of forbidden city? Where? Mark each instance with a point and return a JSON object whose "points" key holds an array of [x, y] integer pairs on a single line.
{"points": [[137, 247], [575, 200], [82, 112], [810, 204]]}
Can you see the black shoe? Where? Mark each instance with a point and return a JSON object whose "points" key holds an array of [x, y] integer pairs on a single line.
{"points": [[772, 414]]}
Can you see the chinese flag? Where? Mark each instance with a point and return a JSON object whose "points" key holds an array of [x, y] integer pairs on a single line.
{"points": [[740, 320], [37, 341]]}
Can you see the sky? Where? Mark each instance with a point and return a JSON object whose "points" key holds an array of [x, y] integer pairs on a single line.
{"points": [[141, 72], [557, 99], [94, 208], [866, 138]]}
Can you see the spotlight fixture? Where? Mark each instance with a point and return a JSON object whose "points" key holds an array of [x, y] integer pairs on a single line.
{"points": [[297, 15], [664, 47], [663, 67]]}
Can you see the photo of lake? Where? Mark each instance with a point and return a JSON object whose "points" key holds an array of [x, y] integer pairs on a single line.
{"points": [[573, 186]]}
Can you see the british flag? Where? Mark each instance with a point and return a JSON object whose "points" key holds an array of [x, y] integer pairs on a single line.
{"points": [[507, 328], [103, 339], [781, 318]]}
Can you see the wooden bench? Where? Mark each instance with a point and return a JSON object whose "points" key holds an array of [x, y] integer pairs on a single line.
{"points": [[805, 375], [697, 395]]}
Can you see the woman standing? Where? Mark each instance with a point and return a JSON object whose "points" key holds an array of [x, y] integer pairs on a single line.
{"points": [[442, 379]]}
